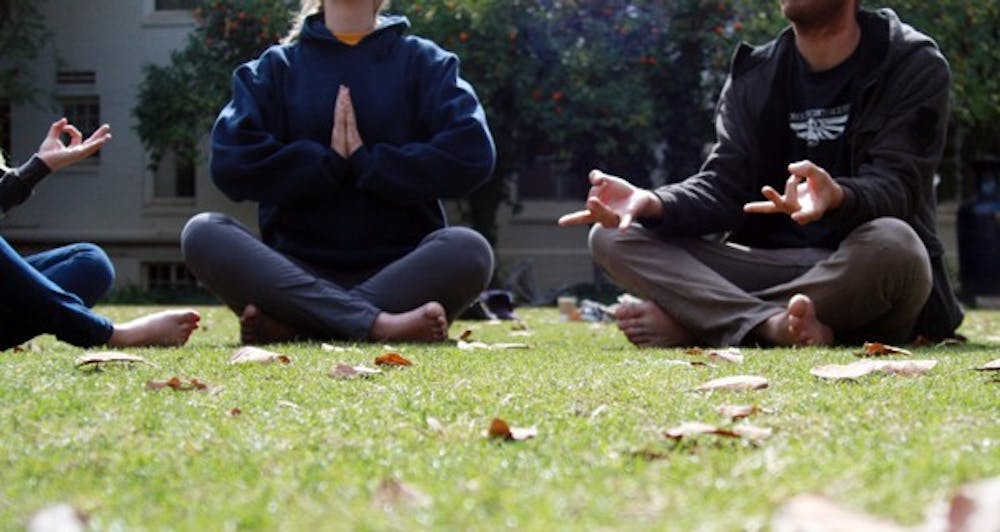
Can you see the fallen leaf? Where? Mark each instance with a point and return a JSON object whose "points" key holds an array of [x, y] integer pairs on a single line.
{"points": [[818, 514], [733, 355], [906, 368], [752, 432], [392, 493], [434, 424], [392, 359], [255, 355], [176, 383], [843, 371], [235, 412], [344, 371], [58, 517], [737, 383], [109, 356], [465, 343], [976, 507], [649, 455], [735, 412], [472, 346], [694, 428], [856, 370], [875, 349], [499, 429], [993, 365]]}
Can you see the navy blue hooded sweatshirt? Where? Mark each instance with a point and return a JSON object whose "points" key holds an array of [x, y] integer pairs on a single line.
{"points": [[424, 132]]}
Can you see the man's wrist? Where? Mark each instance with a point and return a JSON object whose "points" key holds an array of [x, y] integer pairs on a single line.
{"points": [[652, 206]]}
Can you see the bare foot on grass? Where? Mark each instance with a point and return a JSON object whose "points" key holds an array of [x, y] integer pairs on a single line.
{"points": [[169, 328], [423, 324], [645, 324], [798, 325], [257, 328]]}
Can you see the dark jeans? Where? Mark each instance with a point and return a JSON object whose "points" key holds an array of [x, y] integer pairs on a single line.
{"points": [[451, 266], [52, 292]]}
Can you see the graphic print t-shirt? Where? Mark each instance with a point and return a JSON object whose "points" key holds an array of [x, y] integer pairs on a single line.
{"points": [[820, 110]]}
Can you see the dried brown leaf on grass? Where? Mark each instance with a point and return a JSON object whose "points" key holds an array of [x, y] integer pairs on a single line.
{"points": [[178, 384], [62, 517], [392, 493], [736, 383], [974, 507], [735, 412], [731, 355], [392, 359], [465, 343], [876, 349], [500, 429], [695, 428], [105, 357], [346, 372], [255, 355], [819, 514], [993, 365], [235, 412], [856, 370]]}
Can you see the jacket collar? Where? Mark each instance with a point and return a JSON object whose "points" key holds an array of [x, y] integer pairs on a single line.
{"points": [[891, 40]]}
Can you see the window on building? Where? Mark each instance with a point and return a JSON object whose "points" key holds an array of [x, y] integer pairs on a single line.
{"points": [[174, 178], [5, 128], [84, 112], [168, 277], [173, 5]]}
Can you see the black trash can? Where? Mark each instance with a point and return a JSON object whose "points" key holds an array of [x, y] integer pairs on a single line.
{"points": [[979, 235]]}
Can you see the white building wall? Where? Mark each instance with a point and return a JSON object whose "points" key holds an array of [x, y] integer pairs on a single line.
{"points": [[109, 202]]}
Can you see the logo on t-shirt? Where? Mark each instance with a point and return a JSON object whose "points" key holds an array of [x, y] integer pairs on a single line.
{"points": [[820, 125]]}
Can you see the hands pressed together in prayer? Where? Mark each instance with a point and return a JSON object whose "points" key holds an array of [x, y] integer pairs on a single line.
{"points": [[57, 155], [810, 193], [345, 139]]}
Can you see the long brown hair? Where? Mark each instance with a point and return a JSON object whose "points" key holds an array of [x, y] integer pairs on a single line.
{"points": [[311, 7]]}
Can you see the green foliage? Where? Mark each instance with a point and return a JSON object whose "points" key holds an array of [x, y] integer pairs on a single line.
{"points": [[596, 82], [178, 102], [23, 34]]}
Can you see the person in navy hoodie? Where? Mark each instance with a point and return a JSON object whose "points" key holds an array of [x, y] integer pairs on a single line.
{"points": [[347, 135]]}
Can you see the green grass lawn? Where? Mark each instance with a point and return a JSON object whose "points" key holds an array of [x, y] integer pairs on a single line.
{"points": [[308, 451]]}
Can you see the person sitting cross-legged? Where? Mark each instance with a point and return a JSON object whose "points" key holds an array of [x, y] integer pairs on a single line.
{"points": [[346, 136], [840, 122], [53, 291]]}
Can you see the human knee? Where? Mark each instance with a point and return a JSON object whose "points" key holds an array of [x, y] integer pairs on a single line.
{"points": [[200, 236], [471, 255], [893, 247], [95, 266], [602, 242]]}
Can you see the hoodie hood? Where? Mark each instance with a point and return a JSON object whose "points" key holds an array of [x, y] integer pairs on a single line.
{"points": [[314, 30]]}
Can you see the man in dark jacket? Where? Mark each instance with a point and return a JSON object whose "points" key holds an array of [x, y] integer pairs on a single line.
{"points": [[847, 250]]}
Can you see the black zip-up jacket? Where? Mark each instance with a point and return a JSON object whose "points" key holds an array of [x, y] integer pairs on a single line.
{"points": [[16, 184], [896, 137]]}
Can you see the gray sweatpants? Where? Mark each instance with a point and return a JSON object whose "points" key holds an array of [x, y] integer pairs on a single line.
{"points": [[871, 288], [451, 266]]}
